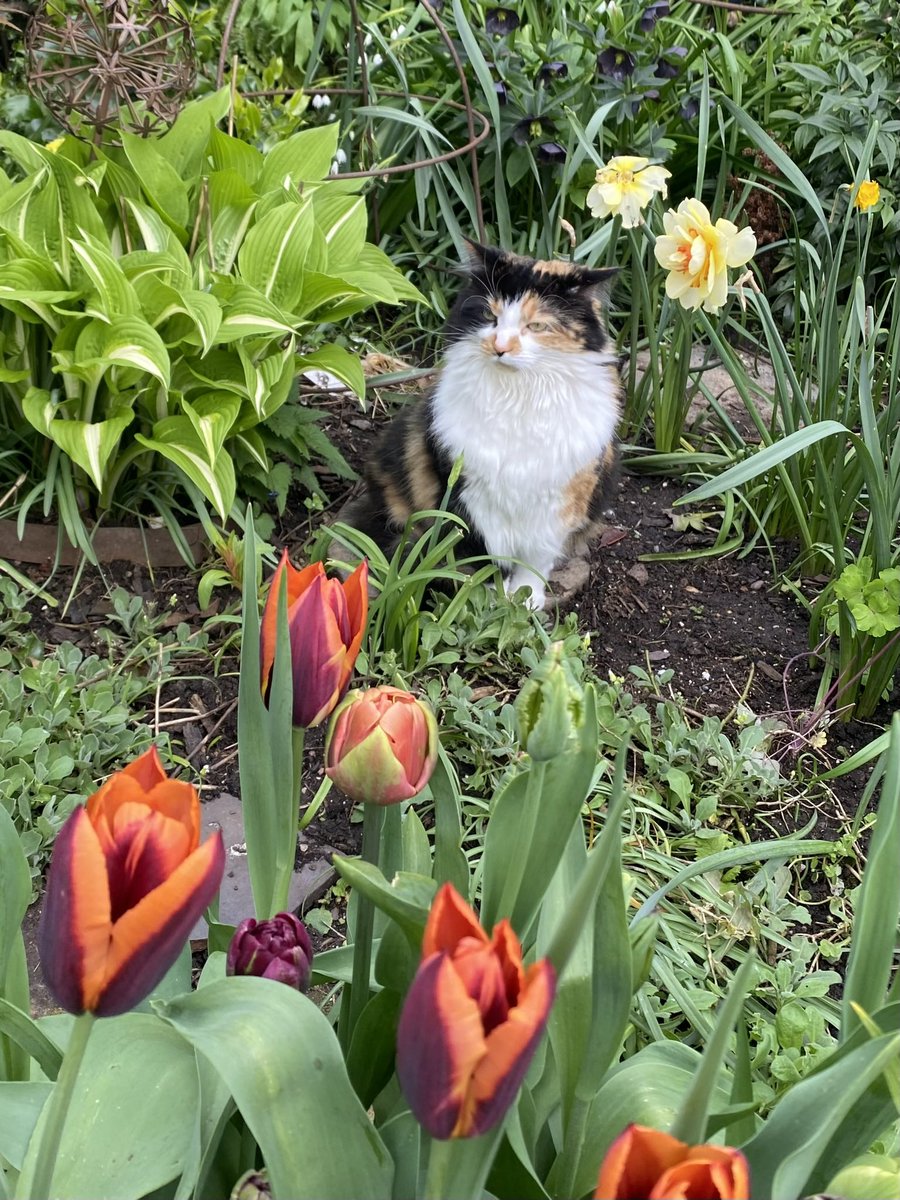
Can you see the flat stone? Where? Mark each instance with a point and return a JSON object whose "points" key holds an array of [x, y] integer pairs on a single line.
{"points": [[308, 883], [570, 578]]}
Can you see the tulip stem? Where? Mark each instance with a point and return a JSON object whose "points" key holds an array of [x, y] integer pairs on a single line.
{"points": [[365, 922], [57, 1108]]}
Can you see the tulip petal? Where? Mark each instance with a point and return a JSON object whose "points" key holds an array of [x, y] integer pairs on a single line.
{"points": [[73, 939], [439, 1044], [145, 853], [148, 938], [147, 769], [297, 584], [318, 651], [510, 1049], [121, 801], [449, 921], [635, 1161]]}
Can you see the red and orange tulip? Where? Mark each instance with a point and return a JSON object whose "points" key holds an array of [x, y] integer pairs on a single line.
{"points": [[326, 620], [382, 745], [471, 1021], [127, 882], [646, 1164]]}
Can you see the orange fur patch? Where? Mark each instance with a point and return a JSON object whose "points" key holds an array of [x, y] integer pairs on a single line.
{"points": [[548, 266], [423, 481], [577, 496]]}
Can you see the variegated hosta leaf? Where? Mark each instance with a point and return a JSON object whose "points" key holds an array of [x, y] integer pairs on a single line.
{"points": [[249, 313], [28, 287], [90, 444], [233, 154], [376, 274], [232, 205], [303, 158], [275, 250], [342, 220], [116, 295], [158, 237], [131, 342], [162, 185], [212, 417], [330, 293], [268, 380], [338, 362], [162, 303], [176, 439]]}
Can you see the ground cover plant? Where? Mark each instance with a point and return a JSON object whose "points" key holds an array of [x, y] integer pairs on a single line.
{"points": [[599, 929]]}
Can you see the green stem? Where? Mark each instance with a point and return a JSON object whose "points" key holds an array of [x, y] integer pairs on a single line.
{"points": [[58, 1108], [365, 918], [563, 1180], [458, 1168]]}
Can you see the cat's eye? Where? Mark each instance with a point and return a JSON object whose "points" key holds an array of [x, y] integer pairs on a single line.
{"points": [[537, 327]]}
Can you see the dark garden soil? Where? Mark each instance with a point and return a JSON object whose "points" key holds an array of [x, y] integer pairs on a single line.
{"points": [[723, 626]]}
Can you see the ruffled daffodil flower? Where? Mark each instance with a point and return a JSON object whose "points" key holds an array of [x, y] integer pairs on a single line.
{"points": [[867, 194], [698, 253], [624, 187]]}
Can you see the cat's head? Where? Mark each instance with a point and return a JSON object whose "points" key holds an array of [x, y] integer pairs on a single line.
{"points": [[521, 312]]}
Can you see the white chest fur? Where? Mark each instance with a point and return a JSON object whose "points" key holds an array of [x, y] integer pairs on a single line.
{"points": [[524, 432]]}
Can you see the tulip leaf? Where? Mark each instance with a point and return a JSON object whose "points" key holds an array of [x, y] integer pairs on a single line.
{"points": [[370, 1060], [20, 1107], [20, 1029], [402, 1135], [406, 899], [450, 863], [825, 1120], [113, 1148], [15, 892], [555, 806], [281, 1061], [876, 910]]}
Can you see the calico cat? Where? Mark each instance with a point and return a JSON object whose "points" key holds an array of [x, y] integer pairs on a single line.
{"points": [[529, 395]]}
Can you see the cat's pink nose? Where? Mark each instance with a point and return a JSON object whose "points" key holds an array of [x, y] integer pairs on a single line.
{"points": [[504, 342]]}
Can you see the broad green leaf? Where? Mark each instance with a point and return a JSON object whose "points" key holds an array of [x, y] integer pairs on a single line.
{"points": [[176, 439], [820, 1123], [370, 1059], [406, 899], [342, 220], [164, 187], [117, 296], [338, 362], [375, 274], [131, 342], [274, 252], [232, 204], [304, 157], [184, 146], [282, 1063], [212, 417], [20, 1107], [248, 312], [112, 1147], [90, 444], [19, 1028], [268, 380], [450, 862], [877, 906], [233, 154], [15, 888], [871, 1177], [319, 290]]}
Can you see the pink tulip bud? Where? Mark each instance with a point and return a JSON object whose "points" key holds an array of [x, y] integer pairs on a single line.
{"points": [[382, 745]]}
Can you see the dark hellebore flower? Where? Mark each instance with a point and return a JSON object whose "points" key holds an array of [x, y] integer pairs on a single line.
{"points": [[652, 14], [552, 70], [501, 21], [531, 129], [615, 63], [690, 108], [500, 89], [277, 949]]}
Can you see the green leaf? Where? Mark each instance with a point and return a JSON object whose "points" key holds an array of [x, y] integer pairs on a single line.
{"points": [[877, 906], [233, 154], [131, 342], [20, 1107], [370, 1059], [762, 461], [450, 862], [184, 146], [248, 312], [282, 1064], [303, 158], [19, 1028], [338, 362], [117, 296], [164, 187], [406, 899], [821, 1121], [176, 439], [112, 1147], [274, 252], [342, 220], [90, 444]]}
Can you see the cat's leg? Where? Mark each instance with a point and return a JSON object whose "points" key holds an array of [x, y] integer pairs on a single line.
{"points": [[521, 577]]}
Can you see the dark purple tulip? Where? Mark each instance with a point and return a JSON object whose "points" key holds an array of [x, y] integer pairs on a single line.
{"points": [[277, 949], [501, 21], [531, 129], [552, 70], [615, 63], [551, 152], [652, 14]]}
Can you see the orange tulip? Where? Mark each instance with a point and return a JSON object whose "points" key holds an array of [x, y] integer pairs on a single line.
{"points": [[645, 1164], [127, 882], [326, 620], [471, 1021]]}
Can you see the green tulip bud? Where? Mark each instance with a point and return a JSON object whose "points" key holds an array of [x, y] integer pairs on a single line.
{"points": [[550, 706]]}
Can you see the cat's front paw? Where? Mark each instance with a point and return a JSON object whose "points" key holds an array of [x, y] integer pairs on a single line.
{"points": [[536, 597]]}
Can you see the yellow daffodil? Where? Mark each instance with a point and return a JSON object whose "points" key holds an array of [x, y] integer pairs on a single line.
{"points": [[867, 194], [698, 253], [54, 145], [624, 187]]}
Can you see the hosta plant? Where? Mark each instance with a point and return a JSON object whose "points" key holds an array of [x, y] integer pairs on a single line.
{"points": [[157, 303]]}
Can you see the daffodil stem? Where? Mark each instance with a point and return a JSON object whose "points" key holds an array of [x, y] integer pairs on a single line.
{"points": [[58, 1108], [365, 920]]}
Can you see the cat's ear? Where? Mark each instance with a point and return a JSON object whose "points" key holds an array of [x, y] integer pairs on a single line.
{"points": [[597, 280], [479, 256]]}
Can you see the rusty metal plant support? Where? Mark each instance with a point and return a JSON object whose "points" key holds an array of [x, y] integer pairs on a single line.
{"points": [[474, 118], [106, 62]]}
